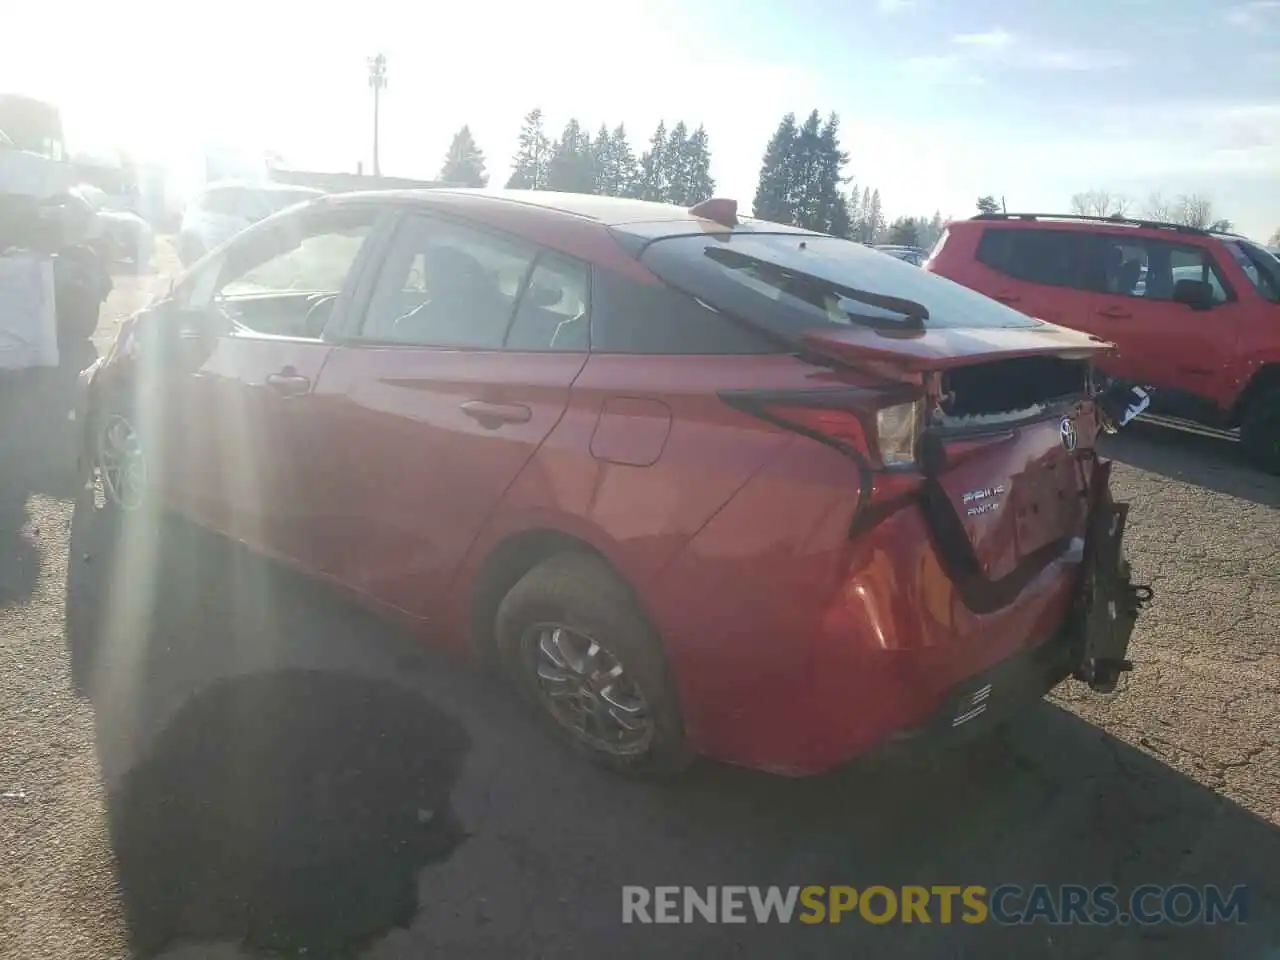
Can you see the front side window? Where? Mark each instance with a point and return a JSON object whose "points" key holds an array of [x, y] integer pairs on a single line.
{"points": [[267, 280], [1150, 269], [1262, 269], [447, 285]]}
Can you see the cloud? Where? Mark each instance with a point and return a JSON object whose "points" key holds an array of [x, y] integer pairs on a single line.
{"points": [[1253, 12], [895, 6], [996, 39], [999, 47]]}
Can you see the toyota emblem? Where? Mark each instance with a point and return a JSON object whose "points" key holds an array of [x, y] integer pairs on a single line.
{"points": [[1067, 431]]}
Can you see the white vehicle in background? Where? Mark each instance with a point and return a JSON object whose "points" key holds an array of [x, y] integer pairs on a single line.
{"points": [[221, 210]]}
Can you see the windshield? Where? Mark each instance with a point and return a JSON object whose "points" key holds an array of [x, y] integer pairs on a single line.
{"points": [[1262, 269], [789, 283]]}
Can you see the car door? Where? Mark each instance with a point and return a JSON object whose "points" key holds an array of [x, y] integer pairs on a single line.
{"points": [[251, 429], [441, 393], [1160, 342]]}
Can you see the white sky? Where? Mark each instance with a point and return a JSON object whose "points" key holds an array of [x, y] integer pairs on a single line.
{"points": [[166, 79]]}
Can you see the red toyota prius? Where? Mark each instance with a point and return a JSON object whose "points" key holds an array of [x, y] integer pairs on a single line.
{"points": [[703, 485]]}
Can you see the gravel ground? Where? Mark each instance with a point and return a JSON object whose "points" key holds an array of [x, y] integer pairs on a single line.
{"points": [[223, 761]]}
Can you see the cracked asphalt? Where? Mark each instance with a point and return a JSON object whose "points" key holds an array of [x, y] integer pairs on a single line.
{"points": [[202, 756]]}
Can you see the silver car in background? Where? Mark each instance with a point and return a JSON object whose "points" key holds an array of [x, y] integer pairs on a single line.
{"points": [[223, 209]]}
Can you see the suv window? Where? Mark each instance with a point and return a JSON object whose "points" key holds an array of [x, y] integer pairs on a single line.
{"points": [[446, 285], [553, 309], [1262, 269], [1149, 268], [1056, 258]]}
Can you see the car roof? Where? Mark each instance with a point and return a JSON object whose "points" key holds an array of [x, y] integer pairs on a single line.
{"points": [[602, 210], [1081, 222]]}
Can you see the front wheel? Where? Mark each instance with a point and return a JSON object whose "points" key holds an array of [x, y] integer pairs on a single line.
{"points": [[571, 637], [120, 461], [1260, 431]]}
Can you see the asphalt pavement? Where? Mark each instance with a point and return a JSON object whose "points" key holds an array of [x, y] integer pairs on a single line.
{"points": [[204, 756]]}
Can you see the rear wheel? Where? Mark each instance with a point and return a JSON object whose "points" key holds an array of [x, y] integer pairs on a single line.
{"points": [[570, 636], [1260, 431]]}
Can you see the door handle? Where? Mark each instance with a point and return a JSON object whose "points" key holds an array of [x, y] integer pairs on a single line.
{"points": [[1116, 313], [288, 382], [1007, 297], [494, 415]]}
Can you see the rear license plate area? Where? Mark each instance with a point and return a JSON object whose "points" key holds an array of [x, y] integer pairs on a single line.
{"points": [[1047, 505]]}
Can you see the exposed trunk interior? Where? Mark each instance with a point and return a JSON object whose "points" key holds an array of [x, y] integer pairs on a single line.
{"points": [[1008, 389]]}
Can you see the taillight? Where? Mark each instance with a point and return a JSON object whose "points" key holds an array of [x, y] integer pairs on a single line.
{"points": [[878, 429], [897, 431]]}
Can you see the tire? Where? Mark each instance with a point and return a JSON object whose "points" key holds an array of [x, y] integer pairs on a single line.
{"points": [[1260, 431], [577, 598], [121, 482]]}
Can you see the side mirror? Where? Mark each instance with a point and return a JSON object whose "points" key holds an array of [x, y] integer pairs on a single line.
{"points": [[1196, 294]]}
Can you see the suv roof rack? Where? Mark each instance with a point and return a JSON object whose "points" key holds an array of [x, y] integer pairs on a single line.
{"points": [[1119, 221]]}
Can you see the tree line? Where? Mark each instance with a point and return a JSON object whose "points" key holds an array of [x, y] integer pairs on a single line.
{"points": [[802, 178], [675, 167]]}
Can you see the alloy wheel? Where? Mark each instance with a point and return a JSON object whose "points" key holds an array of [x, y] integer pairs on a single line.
{"points": [[585, 688], [122, 468]]}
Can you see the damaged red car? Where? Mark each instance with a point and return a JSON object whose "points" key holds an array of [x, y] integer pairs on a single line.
{"points": [[701, 485]]}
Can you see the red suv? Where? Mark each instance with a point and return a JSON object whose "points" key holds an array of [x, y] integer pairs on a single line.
{"points": [[1192, 313], [702, 486]]}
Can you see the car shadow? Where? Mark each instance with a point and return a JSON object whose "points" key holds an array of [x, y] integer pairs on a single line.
{"points": [[287, 773], [281, 806], [1215, 463], [37, 448]]}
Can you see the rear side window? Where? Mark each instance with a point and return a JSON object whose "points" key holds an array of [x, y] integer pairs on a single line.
{"points": [[552, 314], [647, 318], [788, 284], [1054, 258]]}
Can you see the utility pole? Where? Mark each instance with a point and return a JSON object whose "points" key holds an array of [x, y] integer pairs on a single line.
{"points": [[377, 82]]}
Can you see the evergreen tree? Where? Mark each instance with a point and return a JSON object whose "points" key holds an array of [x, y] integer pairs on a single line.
{"points": [[802, 177], [570, 168], [853, 204], [655, 181], [807, 171], [833, 210], [905, 231], [677, 164], [701, 184], [865, 224], [774, 197], [529, 166], [875, 218], [935, 229], [988, 204], [464, 163], [614, 163], [602, 162]]}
